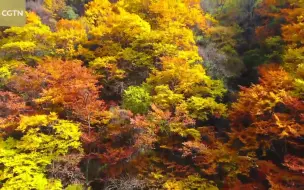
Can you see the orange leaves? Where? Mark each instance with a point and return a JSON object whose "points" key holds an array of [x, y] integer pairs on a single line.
{"points": [[268, 7], [267, 113], [294, 163], [11, 106], [269, 11], [69, 25], [279, 178], [152, 42], [191, 148], [68, 83], [288, 127], [275, 78], [126, 135], [263, 32], [267, 109], [292, 15], [253, 102], [26, 80], [295, 104], [249, 186], [258, 99], [115, 156], [61, 84], [293, 31]]}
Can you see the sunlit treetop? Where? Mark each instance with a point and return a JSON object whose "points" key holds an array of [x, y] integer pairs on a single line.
{"points": [[68, 35], [184, 77], [108, 19], [131, 37], [28, 41], [185, 12], [160, 13]]}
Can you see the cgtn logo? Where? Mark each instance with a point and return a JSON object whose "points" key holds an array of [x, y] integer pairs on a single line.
{"points": [[13, 13]]}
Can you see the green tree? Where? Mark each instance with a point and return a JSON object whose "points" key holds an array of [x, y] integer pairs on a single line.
{"points": [[137, 99]]}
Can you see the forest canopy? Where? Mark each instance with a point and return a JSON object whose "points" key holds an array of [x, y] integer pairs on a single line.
{"points": [[153, 94]]}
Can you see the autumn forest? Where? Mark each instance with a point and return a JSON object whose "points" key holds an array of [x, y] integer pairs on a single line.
{"points": [[153, 94]]}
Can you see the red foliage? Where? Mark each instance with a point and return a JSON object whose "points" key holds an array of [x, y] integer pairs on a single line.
{"points": [[270, 15], [28, 81], [281, 179], [60, 84], [11, 106], [238, 185], [266, 113], [267, 110], [294, 163], [114, 156]]}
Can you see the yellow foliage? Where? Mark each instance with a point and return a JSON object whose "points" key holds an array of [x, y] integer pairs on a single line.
{"points": [[185, 78], [24, 42], [191, 182], [184, 12], [36, 120], [24, 161], [165, 98], [69, 34]]}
